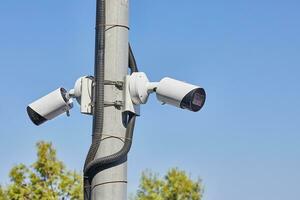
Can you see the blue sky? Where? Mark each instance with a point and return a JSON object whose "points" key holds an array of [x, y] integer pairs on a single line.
{"points": [[245, 144]]}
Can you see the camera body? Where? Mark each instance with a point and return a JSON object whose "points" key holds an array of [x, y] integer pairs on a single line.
{"points": [[49, 106], [180, 94], [168, 91]]}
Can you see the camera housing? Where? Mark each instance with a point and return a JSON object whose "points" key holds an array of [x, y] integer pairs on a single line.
{"points": [[168, 91], [49, 106], [180, 94], [61, 101]]}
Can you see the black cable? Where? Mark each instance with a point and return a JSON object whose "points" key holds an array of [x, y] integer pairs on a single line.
{"points": [[131, 61], [115, 159], [116, 25], [94, 166], [99, 88]]}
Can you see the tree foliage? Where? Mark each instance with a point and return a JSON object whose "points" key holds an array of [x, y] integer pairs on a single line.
{"points": [[45, 179], [48, 179], [176, 185]]}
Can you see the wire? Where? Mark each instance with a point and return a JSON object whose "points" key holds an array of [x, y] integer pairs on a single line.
{"points": [[115, 25]]}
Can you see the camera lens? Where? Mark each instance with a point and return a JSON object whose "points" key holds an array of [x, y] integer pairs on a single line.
{"points": [[194, 100], [35, 117]]}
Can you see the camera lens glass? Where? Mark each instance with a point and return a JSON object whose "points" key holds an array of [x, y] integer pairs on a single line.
{"points": [[194, 100], [198, 99], [35, 117]]}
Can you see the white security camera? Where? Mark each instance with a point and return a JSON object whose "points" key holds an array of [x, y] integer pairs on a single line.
{"points": [[168, 91], [60, 101], [49, 106], [180, 94]]}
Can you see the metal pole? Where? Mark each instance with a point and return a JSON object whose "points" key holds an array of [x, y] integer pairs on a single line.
{"points": [[111, 184]]}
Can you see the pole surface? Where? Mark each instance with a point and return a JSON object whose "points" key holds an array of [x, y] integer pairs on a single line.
{"points": [[111, 184]]}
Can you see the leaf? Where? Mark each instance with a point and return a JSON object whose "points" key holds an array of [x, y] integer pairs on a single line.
{"points": [[176, 185], [46, 179]]}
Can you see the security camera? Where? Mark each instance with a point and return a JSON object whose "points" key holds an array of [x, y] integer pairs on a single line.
{"points": [[49, 106], [60, 101], [180, 94], [168, 91]]}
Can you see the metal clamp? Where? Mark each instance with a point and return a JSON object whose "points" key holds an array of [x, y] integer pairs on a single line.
{"points": [[118, 84], [116, 104]]}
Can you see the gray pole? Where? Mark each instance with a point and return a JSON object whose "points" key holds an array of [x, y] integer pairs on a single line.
{"points": [[111, 184]]}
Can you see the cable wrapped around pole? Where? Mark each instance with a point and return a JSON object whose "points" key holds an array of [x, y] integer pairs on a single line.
{"points": [[99, 89], [93, 166], [115, 159]]}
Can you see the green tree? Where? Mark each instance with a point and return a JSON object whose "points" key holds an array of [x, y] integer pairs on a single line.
{"points": [[45, 179], [176, 185], [3, 195]]}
